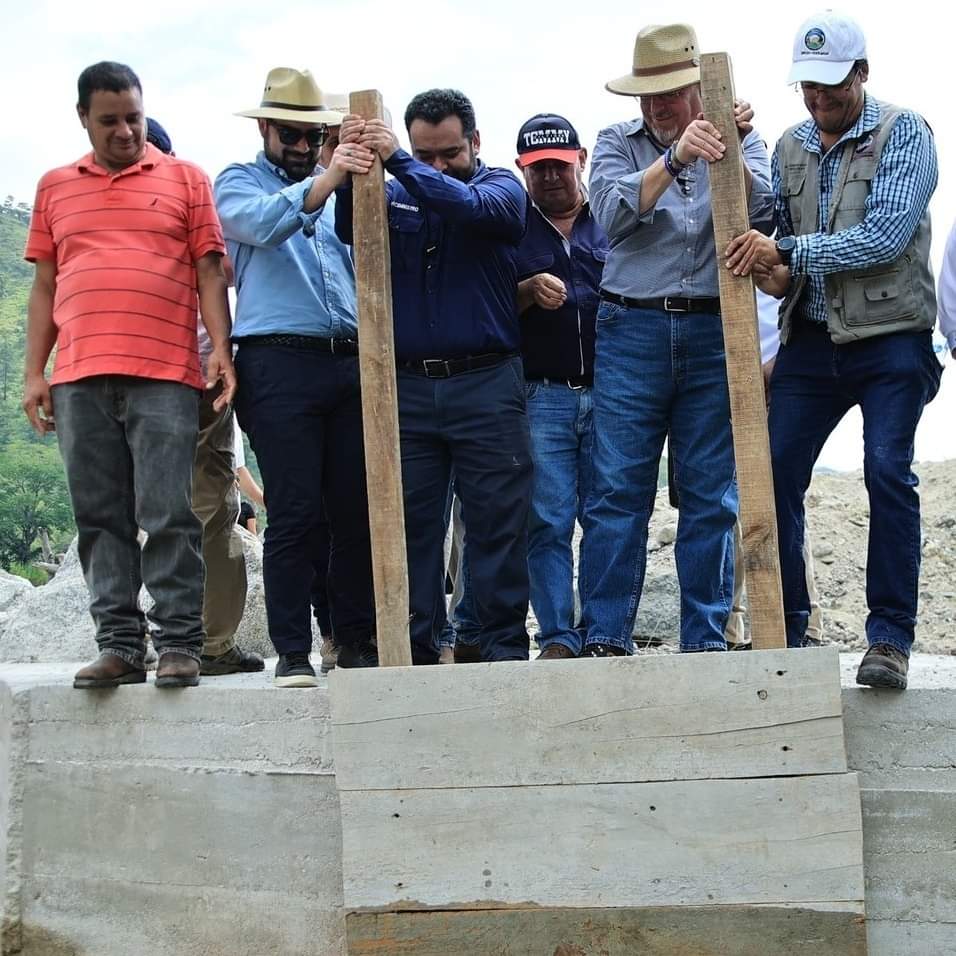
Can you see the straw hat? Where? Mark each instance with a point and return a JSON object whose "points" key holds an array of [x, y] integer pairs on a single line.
{"points": [[666, 58], [293, 96]]}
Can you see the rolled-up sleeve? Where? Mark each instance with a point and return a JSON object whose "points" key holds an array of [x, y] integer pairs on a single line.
{"points": [[256, 218], [615, 186], [760, 204]]}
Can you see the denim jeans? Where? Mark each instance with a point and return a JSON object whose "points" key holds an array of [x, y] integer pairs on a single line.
{"points": [[561, 448], [814, 384], [302, 411], [128, 446], [475, 425], [656, 375]]}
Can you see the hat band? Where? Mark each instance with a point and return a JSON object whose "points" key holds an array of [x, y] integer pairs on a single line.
{"points": [[661, 70], [275, 104]]}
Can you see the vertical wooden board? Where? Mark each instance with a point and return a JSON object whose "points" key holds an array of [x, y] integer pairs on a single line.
{"points": [[742, 347], [775, 840], [652, 931], [765, 713], [380, 401]]}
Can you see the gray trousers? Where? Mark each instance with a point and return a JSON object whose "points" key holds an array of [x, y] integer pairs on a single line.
{"points": [[128, 446]]}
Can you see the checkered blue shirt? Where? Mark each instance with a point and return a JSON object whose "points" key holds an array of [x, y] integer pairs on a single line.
{"points": [[899, 194]]}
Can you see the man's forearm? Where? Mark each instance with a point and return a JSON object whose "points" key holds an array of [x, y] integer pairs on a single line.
{"points": [[41, 330], [322, 187], [654, 184]]}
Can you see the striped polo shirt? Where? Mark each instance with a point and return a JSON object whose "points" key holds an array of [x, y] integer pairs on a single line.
{"points": [[125, 246]]}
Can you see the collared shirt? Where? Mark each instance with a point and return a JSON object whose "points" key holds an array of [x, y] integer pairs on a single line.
{"points": [[292, 273], [668, 250], [454, 248], [125, 246], [899, 194], [559, 343], [947, 292]]}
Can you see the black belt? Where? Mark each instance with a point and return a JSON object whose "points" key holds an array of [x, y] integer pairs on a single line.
{"points": [[668, 303], [311, 342], [445, 368], [575, 381]]}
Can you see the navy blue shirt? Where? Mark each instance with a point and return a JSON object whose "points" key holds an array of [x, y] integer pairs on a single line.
{"points": [[559, 343], [454, 249]]}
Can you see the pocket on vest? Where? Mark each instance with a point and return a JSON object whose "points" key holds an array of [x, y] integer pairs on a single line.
{"points": [[879, 297]]}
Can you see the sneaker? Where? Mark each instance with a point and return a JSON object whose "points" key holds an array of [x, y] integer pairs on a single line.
{"points": [[329, 653], [556, 652], [233, 661], [603, 650], [364, 654], [294, 670], [883, 666]]}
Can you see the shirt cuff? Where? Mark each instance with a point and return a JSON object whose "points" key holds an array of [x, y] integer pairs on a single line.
{"points": [[295, 196], [799, 260]]}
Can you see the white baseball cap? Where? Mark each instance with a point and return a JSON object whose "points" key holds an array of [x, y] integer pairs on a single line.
{"points": [[825, 48]]}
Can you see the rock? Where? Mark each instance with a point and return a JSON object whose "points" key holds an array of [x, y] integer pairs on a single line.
{"points": [[822, 550], [53, 623], [12, 587], [667, 534]]}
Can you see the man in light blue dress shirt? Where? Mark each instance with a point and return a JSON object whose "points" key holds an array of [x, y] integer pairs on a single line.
{"points": [[659, 361], [297, 361]]}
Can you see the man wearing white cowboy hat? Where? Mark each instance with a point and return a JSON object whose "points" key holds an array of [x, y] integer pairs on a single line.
{"points": [[659, 362], [853, 184], [297, 361]]}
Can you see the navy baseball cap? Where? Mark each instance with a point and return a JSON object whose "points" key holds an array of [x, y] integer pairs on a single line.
{"points": [[547, 136], [156, 135]]}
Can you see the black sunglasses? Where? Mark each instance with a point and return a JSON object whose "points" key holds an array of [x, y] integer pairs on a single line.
{"points": [[290, 136]]}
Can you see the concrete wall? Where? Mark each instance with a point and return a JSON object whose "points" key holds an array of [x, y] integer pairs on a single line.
{"points": [[205, 822]]}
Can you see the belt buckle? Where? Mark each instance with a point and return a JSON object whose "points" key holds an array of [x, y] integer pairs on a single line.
{"points": [[576, 388], [669, 308], [442, 365]]}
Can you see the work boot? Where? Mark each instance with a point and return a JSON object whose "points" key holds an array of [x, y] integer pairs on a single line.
{"points": [[177, 670], [358, 654], [295, 670], [329, 653], [108, 670], [233, 661], [603, 650], [883, 666], [556, 652], [467, 653]]}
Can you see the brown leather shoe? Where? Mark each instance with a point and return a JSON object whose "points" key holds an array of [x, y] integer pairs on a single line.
{"points": [[556, 652], [883, 666], [108, 670], [233, 661], [177, 670]]}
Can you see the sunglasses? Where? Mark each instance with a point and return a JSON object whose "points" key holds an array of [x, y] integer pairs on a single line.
{"points": [[290, 136]]}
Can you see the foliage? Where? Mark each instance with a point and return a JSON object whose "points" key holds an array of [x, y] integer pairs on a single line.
{"points": [[36, 576]]}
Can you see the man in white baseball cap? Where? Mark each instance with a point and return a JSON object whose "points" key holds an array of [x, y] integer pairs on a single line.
{"points": [[852, 187]]}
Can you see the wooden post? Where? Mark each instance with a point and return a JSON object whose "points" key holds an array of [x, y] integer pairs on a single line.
{"points": [[758, 520], [383, 463]]}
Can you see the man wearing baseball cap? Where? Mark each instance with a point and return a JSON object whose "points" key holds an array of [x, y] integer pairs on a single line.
{"points": [[659, 368], [560, 262], [851, 259]]}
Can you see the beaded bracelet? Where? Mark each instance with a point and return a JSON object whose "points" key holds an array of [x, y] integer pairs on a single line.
{"points": [[672, 164]]}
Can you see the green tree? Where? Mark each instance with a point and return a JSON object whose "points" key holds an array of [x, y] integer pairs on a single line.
{"points": [[33, 498]]}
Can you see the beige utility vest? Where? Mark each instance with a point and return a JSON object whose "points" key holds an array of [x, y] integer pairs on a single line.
{"points": [[897, 296]]}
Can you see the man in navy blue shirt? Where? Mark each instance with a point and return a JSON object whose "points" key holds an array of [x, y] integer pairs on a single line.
{"points": [[560, 262], [455, 225]]}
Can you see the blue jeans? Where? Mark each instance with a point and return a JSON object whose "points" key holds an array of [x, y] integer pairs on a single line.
{"points": [[656, 375], [561, 448], [302, 411], [814, 384], [128, 446], [475, 425]]}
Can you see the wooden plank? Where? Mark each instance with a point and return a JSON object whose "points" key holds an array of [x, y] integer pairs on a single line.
{"points": [[758, 520], [763, 713], [650, 931], [383, 462], [702, 842]]}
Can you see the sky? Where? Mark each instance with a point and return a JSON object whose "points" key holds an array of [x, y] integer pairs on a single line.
{"points": [[201, 62]]}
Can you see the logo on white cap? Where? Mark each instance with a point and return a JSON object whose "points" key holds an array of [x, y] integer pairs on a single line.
{"points": [[815, 40]]}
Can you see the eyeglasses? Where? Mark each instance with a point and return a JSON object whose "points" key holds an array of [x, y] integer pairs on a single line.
{"points": [[290, 135], [843, 87]]}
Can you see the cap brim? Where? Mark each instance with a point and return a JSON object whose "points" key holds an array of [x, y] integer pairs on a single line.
{"points": [[328, 117], [569, 156], [820, 71], [631, 85]]}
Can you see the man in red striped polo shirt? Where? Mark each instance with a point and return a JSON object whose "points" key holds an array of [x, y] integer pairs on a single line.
{"points": [[127, 246]]}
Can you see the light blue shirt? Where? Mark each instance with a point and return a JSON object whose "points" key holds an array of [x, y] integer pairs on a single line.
{"points": [[293, 275], [669, 249]]}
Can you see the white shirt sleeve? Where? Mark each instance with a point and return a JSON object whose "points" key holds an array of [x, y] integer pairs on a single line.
{"points": [[238, 451], [767, 307], [947, 292]]}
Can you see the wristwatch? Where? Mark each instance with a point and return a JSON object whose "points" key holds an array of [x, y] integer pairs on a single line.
{"points": [[785, 247]]}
